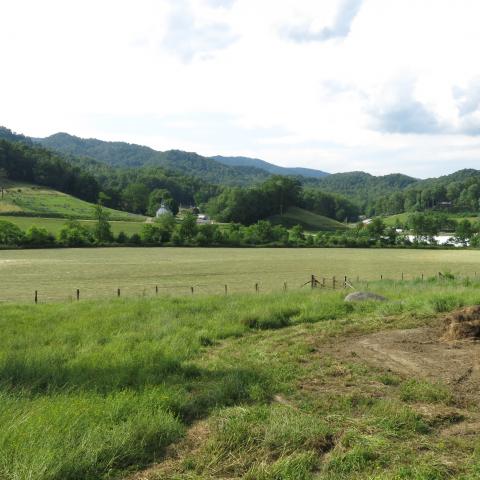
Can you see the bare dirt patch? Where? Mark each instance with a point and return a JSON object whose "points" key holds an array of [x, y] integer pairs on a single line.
{"points": [[420, 353]]}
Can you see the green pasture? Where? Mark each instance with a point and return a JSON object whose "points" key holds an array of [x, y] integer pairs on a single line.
{"points": [[98, 272], [20, 198], [99, 390], [391, 220], [54, 225], [308, 220]]}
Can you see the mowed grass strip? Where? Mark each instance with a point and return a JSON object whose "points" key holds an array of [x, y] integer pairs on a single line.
{"points": [[97, 389], [54, 225], [99, 272]]}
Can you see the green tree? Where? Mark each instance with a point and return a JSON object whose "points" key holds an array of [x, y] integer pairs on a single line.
{"points": [[135, 197], [151, 234], [39, 237], [3, 181], [296, 234], [464, 232], [74, 234], [102, 230], [376, 228], [424, 225], [188, 227], [10, 234]]}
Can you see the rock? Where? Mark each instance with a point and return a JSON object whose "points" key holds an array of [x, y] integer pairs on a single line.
{"points": [[365, 297]]}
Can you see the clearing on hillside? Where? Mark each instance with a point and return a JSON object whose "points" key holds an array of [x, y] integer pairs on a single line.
{"points": [[308, 220], [23, 198]]}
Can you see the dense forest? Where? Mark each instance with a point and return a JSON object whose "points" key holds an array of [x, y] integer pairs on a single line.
{"points": [[458, 192], [27, 163], [121, 154]]}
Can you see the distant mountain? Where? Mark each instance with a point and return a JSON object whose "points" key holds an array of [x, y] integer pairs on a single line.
{"points": [[121, 154], [7, 134], [269, 167]]}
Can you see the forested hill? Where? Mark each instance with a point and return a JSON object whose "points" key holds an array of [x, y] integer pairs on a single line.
{"points": [[458, 192], [270, 167], [121, 154], [363, 188]]}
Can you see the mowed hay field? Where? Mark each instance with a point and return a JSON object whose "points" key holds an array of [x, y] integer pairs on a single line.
{"points": [[99, 272]]}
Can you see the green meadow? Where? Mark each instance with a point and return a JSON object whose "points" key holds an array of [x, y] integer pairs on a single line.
{"points": [[25, 199], [238, 386], [54, 225], [99, 272]]}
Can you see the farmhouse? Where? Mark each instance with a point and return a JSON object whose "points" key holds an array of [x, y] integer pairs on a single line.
{"points": [[202, 218], [162, 210]]}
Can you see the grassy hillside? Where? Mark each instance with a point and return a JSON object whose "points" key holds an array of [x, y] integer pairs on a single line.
{"points": [[54, 225], [33, 200], [251, 386], [308, 220]]}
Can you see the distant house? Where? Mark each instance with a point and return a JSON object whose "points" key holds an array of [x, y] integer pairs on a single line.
{"points": [[202, 218], [445, 205], [162, 210]]}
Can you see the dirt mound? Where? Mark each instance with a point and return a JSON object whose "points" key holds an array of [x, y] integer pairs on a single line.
{"points": [[462, 324]]}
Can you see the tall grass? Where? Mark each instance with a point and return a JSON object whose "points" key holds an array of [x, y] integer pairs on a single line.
{"points": [[93, 389]]}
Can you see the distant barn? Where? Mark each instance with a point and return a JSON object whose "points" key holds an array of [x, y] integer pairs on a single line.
{"points": [[163, 210]]}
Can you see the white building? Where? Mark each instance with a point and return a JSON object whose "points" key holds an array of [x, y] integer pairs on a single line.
{"points": [[162, 211]]}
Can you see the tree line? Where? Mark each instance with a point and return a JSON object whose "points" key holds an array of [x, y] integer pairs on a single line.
{"points": [[274, 197], [169, 231]]}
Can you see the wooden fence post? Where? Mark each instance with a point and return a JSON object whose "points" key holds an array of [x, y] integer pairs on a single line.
{"points": [[312, 281], [334, 281], [156, 289], [402, 276], [345, 282], [256, 288], [78, 294], [284, 286], [323, 282], [118, 292], [226, 289], [381, 277], [191, 289], [422, 277], [36, 297]]}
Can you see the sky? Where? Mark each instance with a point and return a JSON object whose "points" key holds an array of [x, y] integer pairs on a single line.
{"points": [[381, 86]]}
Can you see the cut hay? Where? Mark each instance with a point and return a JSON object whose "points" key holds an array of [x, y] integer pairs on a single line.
{"points": [[462, 324]]}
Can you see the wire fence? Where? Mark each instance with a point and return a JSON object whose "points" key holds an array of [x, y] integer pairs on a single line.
{"points": [[49, 294]]}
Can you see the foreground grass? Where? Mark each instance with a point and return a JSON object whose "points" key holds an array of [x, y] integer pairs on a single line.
{"points": [[94, 390]]}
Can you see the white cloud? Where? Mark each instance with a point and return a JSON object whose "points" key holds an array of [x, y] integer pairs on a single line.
{"points": [[397, 88], [340, 28]]}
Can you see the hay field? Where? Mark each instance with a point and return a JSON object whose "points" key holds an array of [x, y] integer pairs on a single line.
{"points": [[98, 272]]}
